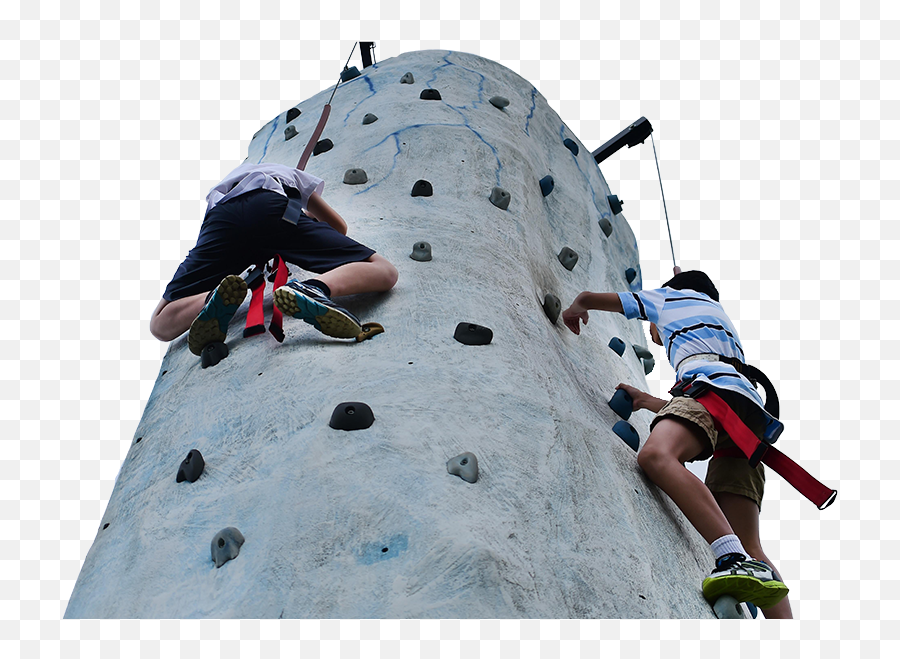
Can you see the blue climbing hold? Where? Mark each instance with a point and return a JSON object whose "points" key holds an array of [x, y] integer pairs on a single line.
{"points": [[618, 345], [624, 430], [546, 185], [571, 146], [622, 404], [630, 274], [615, 204]]}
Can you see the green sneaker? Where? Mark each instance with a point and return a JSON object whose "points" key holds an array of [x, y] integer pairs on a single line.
{"points": [[745, 580], [211, 324]]}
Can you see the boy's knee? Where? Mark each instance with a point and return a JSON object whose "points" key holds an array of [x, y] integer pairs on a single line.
{"points": [[649, 458]]}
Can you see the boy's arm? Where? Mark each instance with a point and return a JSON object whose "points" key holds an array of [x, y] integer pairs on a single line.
{"points": [[587, 301], [320, 210]]}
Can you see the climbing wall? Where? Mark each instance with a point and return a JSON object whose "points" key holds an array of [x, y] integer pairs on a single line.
{"points": [[489, 482]]}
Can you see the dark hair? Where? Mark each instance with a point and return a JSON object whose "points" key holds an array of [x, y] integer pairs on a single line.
{"points": [[694, 280]]}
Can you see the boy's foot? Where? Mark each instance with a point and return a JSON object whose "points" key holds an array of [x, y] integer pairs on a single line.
{"points": [[745, 580], [211, 324], [311, 305]]}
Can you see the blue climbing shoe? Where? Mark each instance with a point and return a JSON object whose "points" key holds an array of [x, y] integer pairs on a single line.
{"points": [[211, 324], [745, 580], [311, 305]]}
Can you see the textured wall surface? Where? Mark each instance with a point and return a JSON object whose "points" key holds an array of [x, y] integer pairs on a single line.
{"points": [[369, 524]]}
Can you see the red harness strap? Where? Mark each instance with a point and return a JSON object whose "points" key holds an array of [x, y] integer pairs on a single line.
{"points": [[255, 319], [756, 451]]}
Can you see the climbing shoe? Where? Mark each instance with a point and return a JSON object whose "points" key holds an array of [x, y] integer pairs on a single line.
{"points": [[211, 324], [311, 305], [746, 580]]}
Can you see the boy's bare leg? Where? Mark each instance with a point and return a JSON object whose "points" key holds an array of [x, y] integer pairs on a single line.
{"points": [[172, 319], [374, 275], [743, 515]]}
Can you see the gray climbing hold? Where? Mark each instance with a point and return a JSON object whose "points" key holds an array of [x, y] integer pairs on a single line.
{"points": [[642, 352], [430, 95], [349, 73], [499, 101], [622, 404], [615, 205], [473, 335], [407, 78], [290, 132], [292, 114], [191, 467], [500, 198], [728, 608], [546, 185], [552, 307], [369, 119], [226, 545], [568, 258], [571, 146], [352, 416], [618, 345], [624, 430], [355, 176], [606, 225], [648, 365], [322, 146], [630, 274], [421, 252], [422, 188], [213, 353], [464, 465]]}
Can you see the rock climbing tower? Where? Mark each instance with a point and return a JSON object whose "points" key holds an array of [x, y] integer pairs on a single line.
{"points": [[471, 461]]}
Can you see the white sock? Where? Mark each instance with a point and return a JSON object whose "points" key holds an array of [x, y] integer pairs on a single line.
{"points": [[728, 544]]}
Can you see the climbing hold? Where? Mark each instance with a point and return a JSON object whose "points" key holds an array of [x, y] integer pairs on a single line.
{"points": [[407, 78], [624, 430], [499, 101], [568, 258], [369, 119], [213, 353], [421, 252], [752, 608], [546, 185], [618, 345], [355, 176], [290, 132], [473, 335], [292, 114], [500, 198], [322, 146], [630, 274], [552, 307], [191, 467], [349, 73], [430, 95], [464, 465], [648, 365], [226, 544], [369, 330], [642, 352], [614, 204], [571, 146], [728, 608], [422, 188], [622, 404], [352, 416], [606, 225]]}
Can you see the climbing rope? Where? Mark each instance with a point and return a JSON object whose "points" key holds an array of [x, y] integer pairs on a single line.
{"points": [[653, 142]]}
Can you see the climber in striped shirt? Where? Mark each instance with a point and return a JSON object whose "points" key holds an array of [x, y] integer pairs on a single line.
{"points": [[687, 320]]}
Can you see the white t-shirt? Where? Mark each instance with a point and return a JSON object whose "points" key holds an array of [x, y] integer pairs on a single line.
{"points": [[266, 176]]}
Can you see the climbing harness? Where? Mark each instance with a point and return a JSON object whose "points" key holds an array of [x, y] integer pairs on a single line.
{"points": [[752, 373]]}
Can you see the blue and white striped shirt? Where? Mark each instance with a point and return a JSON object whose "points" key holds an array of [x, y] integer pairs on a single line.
{"points": [[692, 323]]}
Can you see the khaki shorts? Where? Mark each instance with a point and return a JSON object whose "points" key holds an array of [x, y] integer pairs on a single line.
{"points": [[723, 474]]}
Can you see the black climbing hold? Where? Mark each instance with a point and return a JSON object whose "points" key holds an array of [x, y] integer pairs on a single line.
{"points": [[642, 352], [464, 465], [546, 185], [290, 132], [618, 345], [355, 176], [624, 430], [500, 198], [622, 404], [430, 95], [322, 146], [499, 101], [606, 225], [571, 146], [568, 258], [407, 78], [213, 353], [349, 74], [421, 252], [422, 188], [191, 467], [630, 274], [225, 545], [473, 335], [292, 114], [614, 204], [352, 416], [552, 307], [369, 119], [648, 365]]}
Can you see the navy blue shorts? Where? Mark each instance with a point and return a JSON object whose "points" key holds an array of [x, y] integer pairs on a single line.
{"points": [[248, 230]]}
